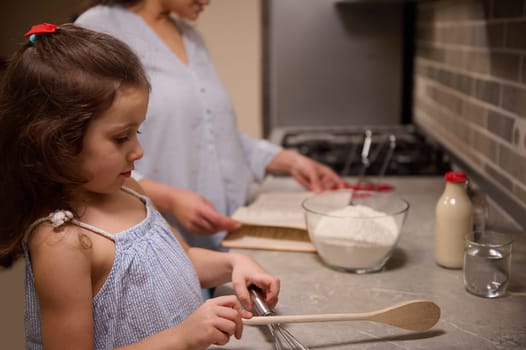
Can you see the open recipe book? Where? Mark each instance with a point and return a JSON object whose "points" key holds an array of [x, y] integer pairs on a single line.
{"points": [[274, 221]]}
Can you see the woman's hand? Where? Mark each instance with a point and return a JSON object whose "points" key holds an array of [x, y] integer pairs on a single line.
{"points": [[245, 272], [197, 214], [213, 323], [311, 174]]}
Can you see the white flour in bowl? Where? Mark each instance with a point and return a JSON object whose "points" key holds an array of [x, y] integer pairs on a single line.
{"points": [[359, 242]]}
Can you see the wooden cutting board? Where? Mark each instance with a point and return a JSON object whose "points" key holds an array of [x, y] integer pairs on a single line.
{"points": [[269, 238]]}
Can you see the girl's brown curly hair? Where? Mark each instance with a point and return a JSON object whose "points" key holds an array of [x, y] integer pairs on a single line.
{"points": [[50, 91]]}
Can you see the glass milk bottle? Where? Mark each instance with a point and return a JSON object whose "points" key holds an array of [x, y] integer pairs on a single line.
{"points": [[453, 220]]}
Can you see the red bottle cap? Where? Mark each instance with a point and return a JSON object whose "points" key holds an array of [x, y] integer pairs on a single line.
{"points": [[456, 176]]}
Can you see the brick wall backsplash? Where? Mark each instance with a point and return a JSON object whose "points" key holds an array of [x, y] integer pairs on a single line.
{"points": [[470, 85]]}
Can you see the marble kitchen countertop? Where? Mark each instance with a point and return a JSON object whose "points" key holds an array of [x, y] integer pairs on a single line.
{"points": [[467, 321]]}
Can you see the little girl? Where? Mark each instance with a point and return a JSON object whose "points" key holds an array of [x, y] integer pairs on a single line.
{"points": [[104, 270]]}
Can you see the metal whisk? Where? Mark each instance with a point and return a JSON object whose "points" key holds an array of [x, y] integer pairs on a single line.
{"points": [[283, 339]]}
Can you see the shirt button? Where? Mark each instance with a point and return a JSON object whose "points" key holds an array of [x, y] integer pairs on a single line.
{"points": [[203, 90]]}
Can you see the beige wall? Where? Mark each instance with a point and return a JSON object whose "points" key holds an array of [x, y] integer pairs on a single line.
{"points": [[232, 30]]}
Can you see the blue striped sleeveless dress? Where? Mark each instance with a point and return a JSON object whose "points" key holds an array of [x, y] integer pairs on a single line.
{"points": [[152, 285]]}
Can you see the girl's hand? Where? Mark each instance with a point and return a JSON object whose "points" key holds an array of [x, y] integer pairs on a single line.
{"points": [[246, 272], [213, 323]]}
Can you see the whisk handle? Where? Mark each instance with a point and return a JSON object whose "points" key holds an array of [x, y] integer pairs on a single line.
{"points": [[260, 306]]}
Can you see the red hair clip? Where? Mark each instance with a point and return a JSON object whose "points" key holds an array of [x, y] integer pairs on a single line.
{"points": [[40, 29]]}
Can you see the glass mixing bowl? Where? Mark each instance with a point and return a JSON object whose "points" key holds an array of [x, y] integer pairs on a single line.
{"points": [[355, 230]]}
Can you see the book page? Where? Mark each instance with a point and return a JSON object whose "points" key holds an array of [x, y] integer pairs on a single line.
{"points": [[277, 209], [274, 221]]}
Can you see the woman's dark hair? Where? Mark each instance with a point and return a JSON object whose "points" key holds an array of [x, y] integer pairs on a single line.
{"points": [[124, 3], [49, 92]]}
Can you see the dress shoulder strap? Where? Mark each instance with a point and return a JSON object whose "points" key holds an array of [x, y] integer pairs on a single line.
{"points": [[60, 217], [134, 193]]}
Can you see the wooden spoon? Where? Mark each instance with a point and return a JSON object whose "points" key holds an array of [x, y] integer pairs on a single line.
{"points": [[414, 315]]}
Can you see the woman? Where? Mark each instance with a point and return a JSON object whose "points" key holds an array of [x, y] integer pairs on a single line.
{"points": [[198, 167]]}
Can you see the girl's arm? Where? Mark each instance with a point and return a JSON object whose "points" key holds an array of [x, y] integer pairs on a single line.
{"points": [[216, 268], [62, 271]]}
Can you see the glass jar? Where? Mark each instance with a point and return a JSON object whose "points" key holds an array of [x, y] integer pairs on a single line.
{"points": [[453, 221]]}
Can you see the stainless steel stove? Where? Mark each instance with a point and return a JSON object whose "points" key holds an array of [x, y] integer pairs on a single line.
{"points": [[399, 150]]}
